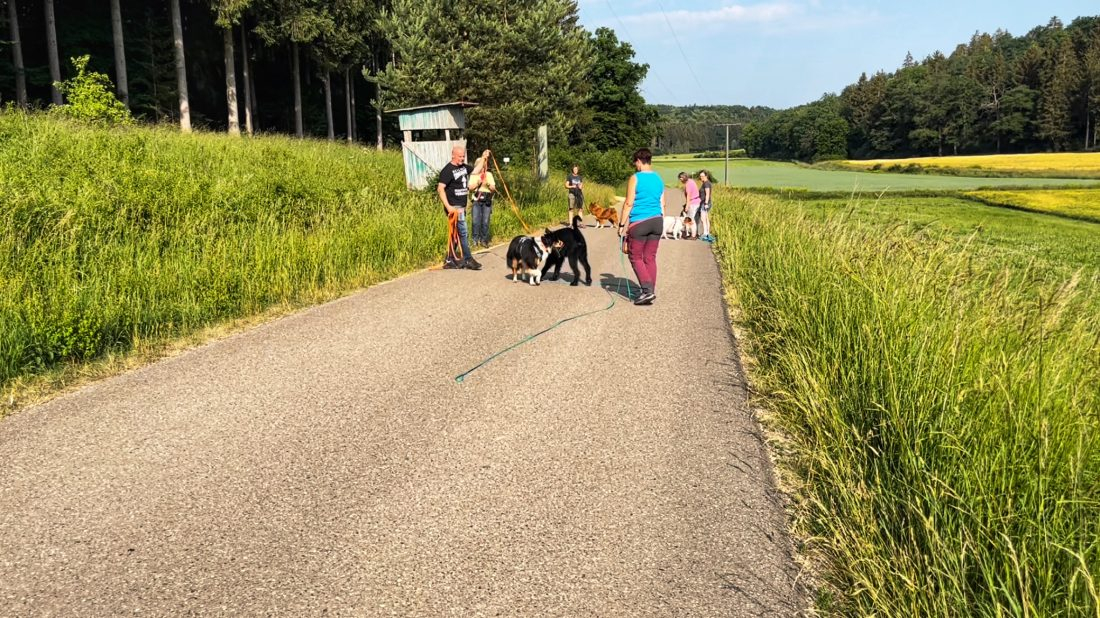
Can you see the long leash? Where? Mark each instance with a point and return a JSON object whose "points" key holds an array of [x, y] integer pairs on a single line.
{"points": [[460, 378], [508, 193]]}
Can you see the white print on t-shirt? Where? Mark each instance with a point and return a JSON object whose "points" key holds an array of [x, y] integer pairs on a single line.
{"points": [[460, 174]]}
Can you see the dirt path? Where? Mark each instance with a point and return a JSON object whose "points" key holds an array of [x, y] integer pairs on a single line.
{"points": [[329, 461]]}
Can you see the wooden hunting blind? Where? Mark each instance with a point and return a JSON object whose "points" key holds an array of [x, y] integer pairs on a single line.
{"points": [[430, 131]]}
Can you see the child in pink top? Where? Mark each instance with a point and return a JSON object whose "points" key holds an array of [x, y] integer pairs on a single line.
{"points": [[691, 197]]}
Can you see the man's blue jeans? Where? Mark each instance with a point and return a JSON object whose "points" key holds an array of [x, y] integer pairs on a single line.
{"points": [[463, 237]]}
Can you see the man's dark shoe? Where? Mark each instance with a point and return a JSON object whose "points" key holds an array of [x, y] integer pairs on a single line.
{"points": [[451, 265], [646, 298], [471, 264]]}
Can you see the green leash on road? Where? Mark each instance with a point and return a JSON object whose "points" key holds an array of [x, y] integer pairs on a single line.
{"points": [[460, 378]]}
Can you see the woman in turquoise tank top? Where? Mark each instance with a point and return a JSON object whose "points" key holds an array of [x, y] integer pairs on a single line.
{"points": [[643, 222]]}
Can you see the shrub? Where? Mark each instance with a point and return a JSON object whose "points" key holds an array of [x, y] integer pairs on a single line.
{"points": [[90, 98], [610, 167]]}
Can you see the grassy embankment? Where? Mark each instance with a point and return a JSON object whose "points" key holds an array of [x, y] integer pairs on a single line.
{"points": [[935, 364], [112, 240], [1050, 165]]}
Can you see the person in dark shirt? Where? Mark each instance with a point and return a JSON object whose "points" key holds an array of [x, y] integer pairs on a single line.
{"points": [[453, 192], [575, 184]]}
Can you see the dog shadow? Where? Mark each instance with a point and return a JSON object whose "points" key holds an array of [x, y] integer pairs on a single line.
{"points": [[625, 288]]}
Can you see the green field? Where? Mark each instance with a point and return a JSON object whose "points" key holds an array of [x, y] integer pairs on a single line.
{"points": [[933, 362], [754, 173]]}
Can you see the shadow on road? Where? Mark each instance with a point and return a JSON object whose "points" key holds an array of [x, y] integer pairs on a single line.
{"points": [[623, 287]]}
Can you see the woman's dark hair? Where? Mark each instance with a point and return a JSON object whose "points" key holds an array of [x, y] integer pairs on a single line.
{"points": [[710, 177], [643, 155]]}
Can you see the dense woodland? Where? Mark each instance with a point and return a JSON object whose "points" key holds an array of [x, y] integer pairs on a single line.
{"points": [[328, 68], [997, 93], [698, 128]]}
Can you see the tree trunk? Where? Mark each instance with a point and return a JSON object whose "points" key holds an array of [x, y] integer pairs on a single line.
{"points": [[347, 103], [247, 81], [327, 83], [17, 55], [181, 68], [296, 65], [231, 82], [254, 105], [378, 107], [121, 84], [51, 48], [354, 124]]}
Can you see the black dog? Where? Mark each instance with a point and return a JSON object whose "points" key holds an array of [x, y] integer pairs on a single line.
{"points": [[527, 254], [572, 248]]}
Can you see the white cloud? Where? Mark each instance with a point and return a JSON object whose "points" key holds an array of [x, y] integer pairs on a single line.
{"points": [[771, 17], [769, 12]]}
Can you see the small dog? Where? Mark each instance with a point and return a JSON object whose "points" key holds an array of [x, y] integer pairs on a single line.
{"points": [[610, 215], [689, 227], [568, 244], [674, 228], [527, 255]]}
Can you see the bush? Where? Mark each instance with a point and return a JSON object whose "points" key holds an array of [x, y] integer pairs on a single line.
{"points": [[611, 167], [90, 96]]}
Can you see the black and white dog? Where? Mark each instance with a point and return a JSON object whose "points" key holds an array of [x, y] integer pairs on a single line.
{"points": [[568, 244], [526, 256]]}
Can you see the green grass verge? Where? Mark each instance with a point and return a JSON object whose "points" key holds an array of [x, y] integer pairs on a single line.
{"points": [[109, 237], [935, 363]]}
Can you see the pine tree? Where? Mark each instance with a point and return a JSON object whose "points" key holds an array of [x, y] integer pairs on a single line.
{"points": [[295, 22], [51, 50], [228, 14], [181, 67], [1056, 111], [121, 82], [1092, 92], [153, 68], [525, 63], [17, 55]]}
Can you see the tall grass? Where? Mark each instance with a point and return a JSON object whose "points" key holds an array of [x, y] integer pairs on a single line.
{"points": [[944, 409], [111, 236]]}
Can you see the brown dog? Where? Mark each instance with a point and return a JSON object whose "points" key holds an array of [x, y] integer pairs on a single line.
{"points": [[610, 215]]}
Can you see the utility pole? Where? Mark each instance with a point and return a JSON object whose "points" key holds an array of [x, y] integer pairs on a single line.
{"points": [[726, 177]]}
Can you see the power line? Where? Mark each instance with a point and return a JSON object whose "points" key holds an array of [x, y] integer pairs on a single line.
{"points": [[627, 33], [681, 47]]}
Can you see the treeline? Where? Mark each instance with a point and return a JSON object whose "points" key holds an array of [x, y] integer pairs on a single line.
{"points": [[696, 128], [997, 93], [314, 67]]}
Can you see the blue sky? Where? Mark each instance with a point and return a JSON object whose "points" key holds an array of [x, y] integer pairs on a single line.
{"points": [[783, 53]]}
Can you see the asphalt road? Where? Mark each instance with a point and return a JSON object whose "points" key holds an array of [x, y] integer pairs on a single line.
{"points": [[329, 463]]}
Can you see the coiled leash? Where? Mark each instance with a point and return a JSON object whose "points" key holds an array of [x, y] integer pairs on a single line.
{"points": [[460, 378]]}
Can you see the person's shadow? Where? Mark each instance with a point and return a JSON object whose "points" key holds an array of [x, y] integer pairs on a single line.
{"points": [[617, 285]]}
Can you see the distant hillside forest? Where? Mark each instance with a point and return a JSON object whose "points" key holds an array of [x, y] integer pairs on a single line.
{"points": [[696, 128], [997, 93]]}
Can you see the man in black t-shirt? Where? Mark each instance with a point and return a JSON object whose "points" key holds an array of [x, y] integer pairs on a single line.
{"points": [[453, 190]]}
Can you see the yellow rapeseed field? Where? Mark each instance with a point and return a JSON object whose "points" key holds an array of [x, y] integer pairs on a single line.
{"points": [[1077, 203], [1083, 163]]}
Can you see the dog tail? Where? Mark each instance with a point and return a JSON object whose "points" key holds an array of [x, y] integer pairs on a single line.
{"points": [[576, 221]]}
